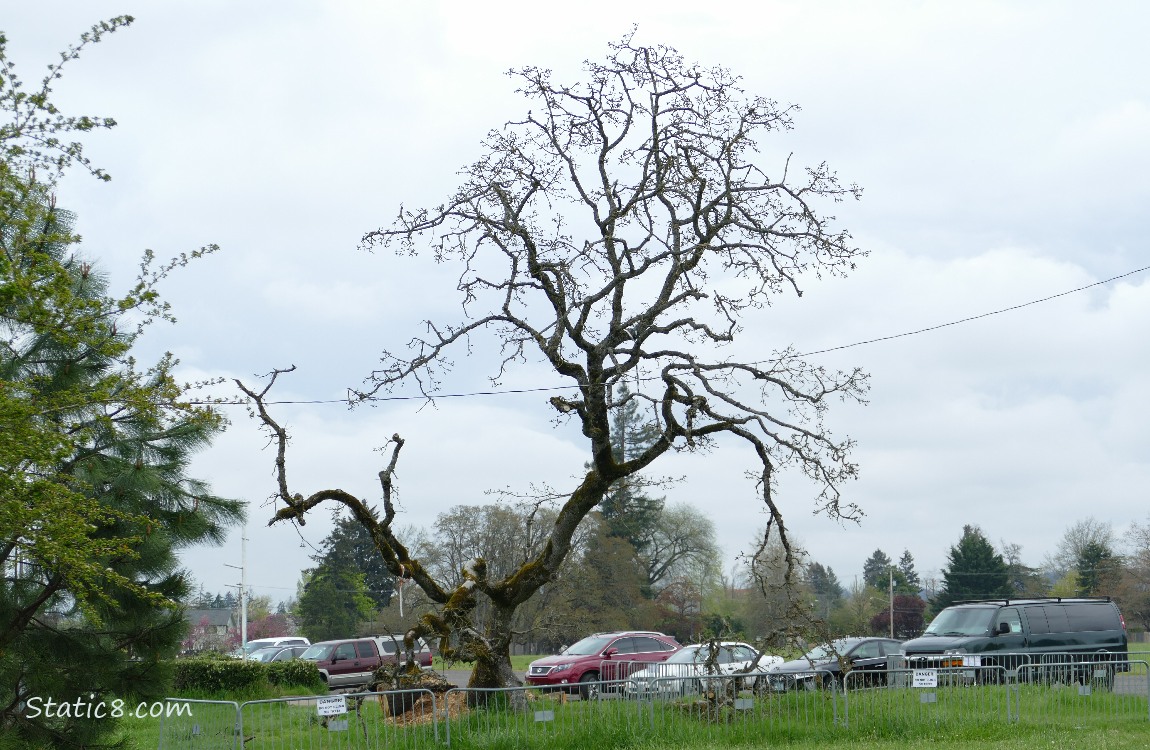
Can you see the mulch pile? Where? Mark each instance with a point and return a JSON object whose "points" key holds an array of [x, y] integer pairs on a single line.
{"points": [[422, 711]]}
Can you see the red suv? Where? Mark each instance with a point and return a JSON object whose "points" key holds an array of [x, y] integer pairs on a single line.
{"points": [[601, 657]]}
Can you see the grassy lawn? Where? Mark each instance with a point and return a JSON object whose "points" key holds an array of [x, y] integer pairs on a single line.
{"points": [[966, 718], [518, 663]]}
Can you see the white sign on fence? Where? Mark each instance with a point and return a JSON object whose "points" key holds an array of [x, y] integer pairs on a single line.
{"points": [[925, 678], [331, 706]]}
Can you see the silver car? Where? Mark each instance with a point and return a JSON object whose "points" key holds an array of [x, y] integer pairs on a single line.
{"points": [[690, 669]]}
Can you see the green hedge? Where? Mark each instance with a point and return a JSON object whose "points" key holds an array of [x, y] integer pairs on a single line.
{"points": [[207, 675], [296, 673]]}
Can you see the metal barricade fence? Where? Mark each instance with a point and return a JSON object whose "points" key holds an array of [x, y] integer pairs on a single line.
{"points": [[615, 670], [206, 725], [905, 698], [394, 719], [527, 716], [739, 708], [1079, 692]]}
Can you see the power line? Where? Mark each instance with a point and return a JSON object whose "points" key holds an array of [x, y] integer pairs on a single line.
{"points": [[513, 391], [978, 317]]}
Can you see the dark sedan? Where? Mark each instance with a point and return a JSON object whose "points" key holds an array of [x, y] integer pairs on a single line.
{"points": [[823, 665]]}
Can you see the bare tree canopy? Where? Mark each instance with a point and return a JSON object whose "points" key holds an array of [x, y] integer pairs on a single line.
{"points": [[618, 233]]}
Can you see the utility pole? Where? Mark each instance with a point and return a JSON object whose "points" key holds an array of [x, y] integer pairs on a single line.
{"points": [[243, 567], [891, 572]]}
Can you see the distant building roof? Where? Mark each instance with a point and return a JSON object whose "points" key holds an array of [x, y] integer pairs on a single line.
{"points": [[217, 618]]}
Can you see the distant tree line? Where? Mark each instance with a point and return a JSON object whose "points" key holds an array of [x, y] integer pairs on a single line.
{"points": [[616, 579]]}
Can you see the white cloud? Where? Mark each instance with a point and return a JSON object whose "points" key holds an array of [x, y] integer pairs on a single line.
{"points": [[1004, 154]]}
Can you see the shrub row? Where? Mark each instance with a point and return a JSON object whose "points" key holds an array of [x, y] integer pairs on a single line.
{"points": [[209, 675]]}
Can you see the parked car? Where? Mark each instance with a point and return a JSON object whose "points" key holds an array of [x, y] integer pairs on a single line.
{"points": [[687, 670], [1008, 633], [277, 653], [823, 665], [345, 663], [391, 647], [600, 657], [255, 645], [352, 662]]}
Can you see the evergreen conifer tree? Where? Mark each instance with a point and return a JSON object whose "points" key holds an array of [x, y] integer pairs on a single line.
{"points": [[876, 570], [911, 583], [974, 571], [630, 513]]}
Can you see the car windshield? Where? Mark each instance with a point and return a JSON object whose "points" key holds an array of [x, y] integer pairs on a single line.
{"points": [[961, 621], [319, 652], [825, 651], [264, 654], [688, 655], [588, 646], [699, 654]]}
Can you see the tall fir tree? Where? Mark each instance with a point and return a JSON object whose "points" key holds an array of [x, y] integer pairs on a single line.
{"points": [[350, 545], [911, 583], [825, 587], [974, 571], [349, 583], [1098, 570], [333, 603], [630, 513], [876, 570]]}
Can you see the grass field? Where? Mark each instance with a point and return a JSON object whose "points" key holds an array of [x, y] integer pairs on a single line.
{"points": [[971, 717]]}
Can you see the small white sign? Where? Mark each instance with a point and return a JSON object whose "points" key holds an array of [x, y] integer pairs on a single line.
{"points": [[971, 660], [925, 678], [544, 716], [331, 706], [337, 726]]}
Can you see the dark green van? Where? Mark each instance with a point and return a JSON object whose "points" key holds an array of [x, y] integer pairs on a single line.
{"points": [[1014, 632]]}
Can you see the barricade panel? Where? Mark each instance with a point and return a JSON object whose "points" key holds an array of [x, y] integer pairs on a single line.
{"points": [[199, 725], [393, 719]]}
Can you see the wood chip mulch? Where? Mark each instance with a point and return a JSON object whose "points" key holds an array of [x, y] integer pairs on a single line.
{"points": [[451, 705]]}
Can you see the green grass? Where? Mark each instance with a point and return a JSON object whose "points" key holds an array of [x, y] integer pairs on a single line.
{"points": [[962, 718], [518, 663]]}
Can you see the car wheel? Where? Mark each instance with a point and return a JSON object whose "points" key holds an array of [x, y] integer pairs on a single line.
{"points": [[588, 690]]}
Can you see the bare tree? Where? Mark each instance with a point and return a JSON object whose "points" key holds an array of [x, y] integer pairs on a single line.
{"points": [[620, 231], [1078, 536], [680, 545]]}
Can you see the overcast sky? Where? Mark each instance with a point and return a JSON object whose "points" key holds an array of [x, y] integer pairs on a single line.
{"points": [[1004, 150]]}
